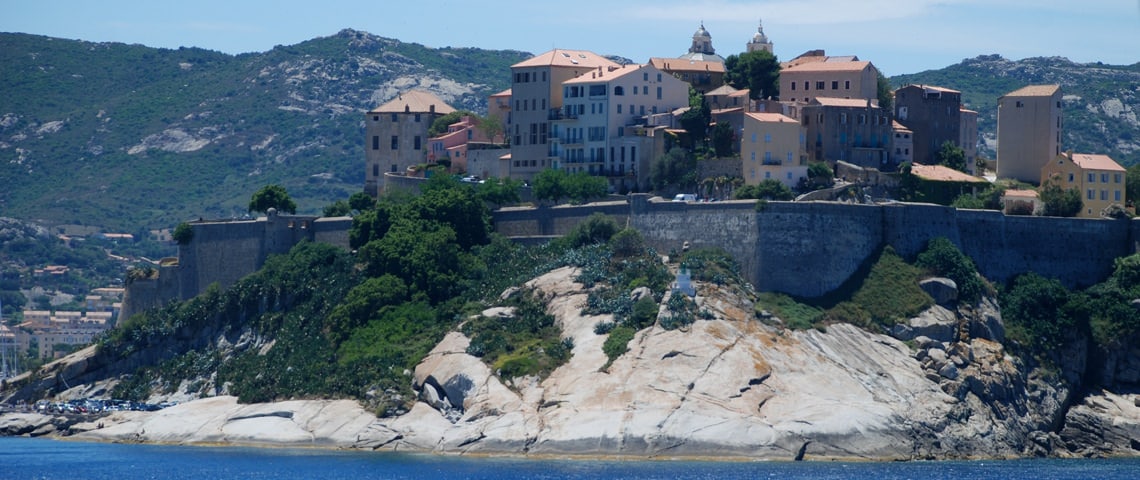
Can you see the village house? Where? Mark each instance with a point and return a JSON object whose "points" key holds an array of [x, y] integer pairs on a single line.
{"points": [[852, 130], [397, 134], [589, 134], [933, 115], [1099, 178], [772, 148], [903, 143], [1028, 131], [815, 74], [941, 185]]}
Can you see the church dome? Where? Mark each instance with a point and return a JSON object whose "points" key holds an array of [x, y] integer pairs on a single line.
{"points": [[701, 32]]}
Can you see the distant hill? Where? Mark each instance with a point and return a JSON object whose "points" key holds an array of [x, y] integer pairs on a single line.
{"points": [[1101, 102], [129, 137]]}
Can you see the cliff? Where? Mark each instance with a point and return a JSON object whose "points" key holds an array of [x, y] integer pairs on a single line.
{"points": [[728, 386]]}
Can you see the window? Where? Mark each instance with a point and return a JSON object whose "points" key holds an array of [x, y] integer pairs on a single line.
{"points": [[842, 118], [417, 143], [862, 119], [1116, 195], [1091, 195], [1092, 178], [847, 84], [645, 76], [376, 171], [793, 86], [619, 91], [395, 142], [417, 118], [767, 157], [820, 85], [767, 175], [789, 173], [659, 93], [376, 118], [619, 109], [1071, 177], [1104, 178], [753, 156], [835, 84], [395, 118], [767, 138], [753, 138], [807, 86], [1116, 178], [658, 77], [1104, 195], [789, 163], [376, 142]]}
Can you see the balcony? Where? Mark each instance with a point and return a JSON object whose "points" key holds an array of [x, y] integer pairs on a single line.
{"points": [[561, 114]]}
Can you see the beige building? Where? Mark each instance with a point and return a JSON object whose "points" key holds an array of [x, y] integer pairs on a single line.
{"points": [[536, 101], [772, 147], [1028, 131], [1099, 178], [816, 75], [397, 135]]}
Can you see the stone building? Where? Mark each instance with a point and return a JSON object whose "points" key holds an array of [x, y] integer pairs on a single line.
{"points": [[760, 40], [852, 130], [815, 74], [933, 115], [1028, 131], [396, 135], [702, 48]]}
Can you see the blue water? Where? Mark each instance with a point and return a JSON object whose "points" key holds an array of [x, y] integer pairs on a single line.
{"points": [[24, 458]]}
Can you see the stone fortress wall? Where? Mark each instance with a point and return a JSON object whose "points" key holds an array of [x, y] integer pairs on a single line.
{"points": [[225, 251], [809, 248], [804, 249]]}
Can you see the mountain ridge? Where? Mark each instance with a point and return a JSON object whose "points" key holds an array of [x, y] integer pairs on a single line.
{"points": [[129, 137]]}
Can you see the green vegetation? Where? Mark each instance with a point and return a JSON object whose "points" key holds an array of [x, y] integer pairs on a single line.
{"points": [[943, 258], [768, 189], [1058, 201], [579, 187], [951, 155], [757, 71], [182, 233], [528, 343], [617, 344], [272, 196], [676, 170]]}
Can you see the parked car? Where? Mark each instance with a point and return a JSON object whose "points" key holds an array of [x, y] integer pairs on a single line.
{"points": [[685, 197]]}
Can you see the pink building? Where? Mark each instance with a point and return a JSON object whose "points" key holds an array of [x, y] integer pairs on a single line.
{"points": [[453, 144]]}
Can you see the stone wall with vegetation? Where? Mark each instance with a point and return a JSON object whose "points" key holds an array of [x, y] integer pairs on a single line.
{"points": [[810, 248]]}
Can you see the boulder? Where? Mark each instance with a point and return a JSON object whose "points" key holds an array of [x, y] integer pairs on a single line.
{"points": [[639, 293], [943, 290], [937, 323], [986, 322]]}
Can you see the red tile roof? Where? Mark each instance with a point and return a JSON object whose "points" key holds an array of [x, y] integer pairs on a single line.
{"points": [[771, 117], [414, 101], [1035, 91], [1089, 161], [567, 58]]}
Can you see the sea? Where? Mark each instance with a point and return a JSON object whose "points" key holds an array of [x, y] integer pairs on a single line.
{"points": [[37, 458]]}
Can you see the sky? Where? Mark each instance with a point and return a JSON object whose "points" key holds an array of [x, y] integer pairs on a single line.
{"points": [[898, 36]]}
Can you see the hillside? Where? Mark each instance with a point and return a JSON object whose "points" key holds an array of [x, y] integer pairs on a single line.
{"points": [[127, 136], [1100, 101]]}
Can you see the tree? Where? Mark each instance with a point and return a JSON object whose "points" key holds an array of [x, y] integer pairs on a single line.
{"points": [[492, 126], [550, 184], [885, 93], [951, 156], [820, 175], [339, 208], [677, 168], [361, 201], [1132, 183], [722, 136], [272, 196], [769, 189], [696, 119], [757, 71], [1059, 201], [581, 187], [182, 233], [499, 191], [439, 126]]}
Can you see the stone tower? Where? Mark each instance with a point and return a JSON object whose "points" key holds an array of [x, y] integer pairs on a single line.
{"points": [[702, 49], [759, 40]]}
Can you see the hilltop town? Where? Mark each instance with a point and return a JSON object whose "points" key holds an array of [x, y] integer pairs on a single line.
{"points": [[768, 260]]}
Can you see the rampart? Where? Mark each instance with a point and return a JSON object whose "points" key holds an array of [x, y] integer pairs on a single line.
{"points": [[223, 252], [810, 248]]}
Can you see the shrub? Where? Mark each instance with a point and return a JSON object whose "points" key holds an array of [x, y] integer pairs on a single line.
{"points": [[617, 343], [644, 313], [941, 257], [183, 234]]}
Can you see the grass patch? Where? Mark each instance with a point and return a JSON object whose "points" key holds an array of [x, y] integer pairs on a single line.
{"points": [[617, 344]]}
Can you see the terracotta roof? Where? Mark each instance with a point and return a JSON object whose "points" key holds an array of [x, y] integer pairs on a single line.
{"points": [[939, 173], [1021, 193], [504, 93], [931, 88], [414, 101], [722, 111], [841, 102], [684, 65], [1089, 161], [966, 110], [740, 93], [772, 117], [895, 125], [606, 74], [1035, 91], [566, 58], [828, 66], [721, 90]]}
